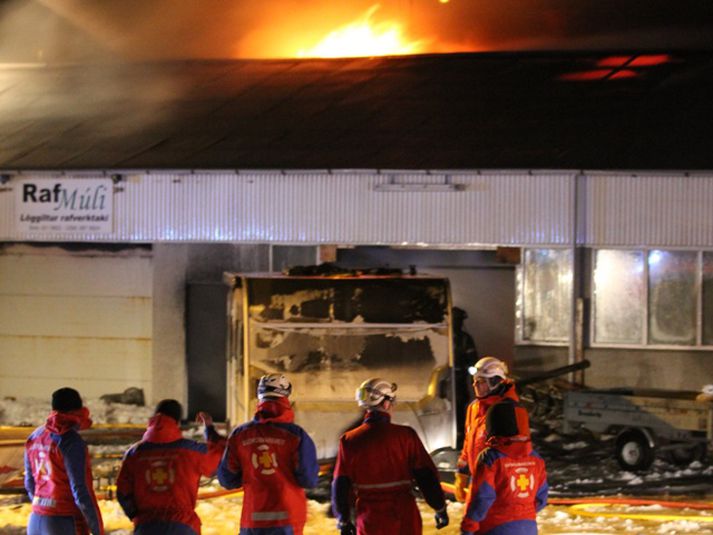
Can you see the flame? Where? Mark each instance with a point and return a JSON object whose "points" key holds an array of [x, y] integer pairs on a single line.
{"points": [[364, 38]]}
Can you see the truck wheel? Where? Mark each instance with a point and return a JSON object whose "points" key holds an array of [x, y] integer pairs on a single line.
{"points": [[633, 451]]}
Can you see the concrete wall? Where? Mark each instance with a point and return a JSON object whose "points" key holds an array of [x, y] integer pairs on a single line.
{"points": [[174, 266], [635, 368]]}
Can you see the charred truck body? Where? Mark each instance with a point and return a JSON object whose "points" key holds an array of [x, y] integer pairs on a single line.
{"points": [[330, 333]]}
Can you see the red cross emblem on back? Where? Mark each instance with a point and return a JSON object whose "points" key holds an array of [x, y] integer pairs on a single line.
{"points": [[264, 460], [522, 482]]}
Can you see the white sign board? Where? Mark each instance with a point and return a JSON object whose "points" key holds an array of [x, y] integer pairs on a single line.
{"points": [[63, 205]]}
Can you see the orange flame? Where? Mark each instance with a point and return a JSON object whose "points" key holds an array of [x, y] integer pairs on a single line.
{"points": [[364, 38]]}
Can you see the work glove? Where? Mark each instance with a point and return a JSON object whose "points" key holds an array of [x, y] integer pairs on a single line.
{"points": [[441, 518], [346, 528], [204, 418], [461, 486]]}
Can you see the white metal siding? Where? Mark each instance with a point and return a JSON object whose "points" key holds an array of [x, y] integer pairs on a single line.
{"points": [[653, 210], [344, 208], [496, 208], [83, 320]]}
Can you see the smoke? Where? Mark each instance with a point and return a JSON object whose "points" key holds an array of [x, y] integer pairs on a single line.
{"points": [[140, 30], [29, 32]]}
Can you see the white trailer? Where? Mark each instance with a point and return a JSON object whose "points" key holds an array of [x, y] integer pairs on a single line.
{"points": [[645, 422]]}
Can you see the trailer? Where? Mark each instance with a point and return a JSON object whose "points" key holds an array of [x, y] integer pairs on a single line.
{"points": [[645, 422], [330, 331]]}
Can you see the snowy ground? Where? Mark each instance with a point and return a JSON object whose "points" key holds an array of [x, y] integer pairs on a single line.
{"points": [[33, 412], [221, 516], [577, 466]]}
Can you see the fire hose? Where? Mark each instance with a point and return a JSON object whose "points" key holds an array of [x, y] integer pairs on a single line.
{"points": [[583, 506]]}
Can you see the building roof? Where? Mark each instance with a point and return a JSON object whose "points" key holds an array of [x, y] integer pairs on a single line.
{"points": [[588, 110]]}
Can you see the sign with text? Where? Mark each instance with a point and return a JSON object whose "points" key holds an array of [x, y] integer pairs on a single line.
{"points": [[63, 205]]}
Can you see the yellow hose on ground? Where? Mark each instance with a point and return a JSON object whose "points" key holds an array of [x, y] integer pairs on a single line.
{"points": [[582, 509]]}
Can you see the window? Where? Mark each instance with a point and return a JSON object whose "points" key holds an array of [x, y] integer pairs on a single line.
{"points": [[672, 297], [707, 287], [619, 297], [544, 311], [652, 298]]}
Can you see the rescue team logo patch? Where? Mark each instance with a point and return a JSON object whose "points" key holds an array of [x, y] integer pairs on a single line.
{"points": [[160, 476], [264, 460], [522, 482], [43, 469]]}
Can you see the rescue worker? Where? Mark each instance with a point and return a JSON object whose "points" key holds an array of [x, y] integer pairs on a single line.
{"points": [[464, 353], [274, 460], [58, 473], [509, 485], [377, 464], [491, 385], [158, 481]]}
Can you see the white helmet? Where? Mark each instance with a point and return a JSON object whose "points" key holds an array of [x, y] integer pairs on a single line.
{"points": [[488, 367], [272, 386], [488, 376], [372, 392]]}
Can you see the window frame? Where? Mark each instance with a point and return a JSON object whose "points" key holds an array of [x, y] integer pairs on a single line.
{"points": [[643, 321], [521, 310], [644, 343]]}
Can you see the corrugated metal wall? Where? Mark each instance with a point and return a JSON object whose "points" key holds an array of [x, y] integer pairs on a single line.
{"points": [[344, 208], [654, 210], [497, 208]]}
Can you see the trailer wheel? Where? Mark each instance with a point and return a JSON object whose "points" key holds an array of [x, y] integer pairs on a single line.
{"points": [[685, 455], [633, 450]]}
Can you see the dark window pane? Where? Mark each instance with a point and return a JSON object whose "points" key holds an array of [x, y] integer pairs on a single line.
{"points": [[708, 298]]}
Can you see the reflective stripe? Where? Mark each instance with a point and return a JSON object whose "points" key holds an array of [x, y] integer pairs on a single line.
{"points": [[269, 515], [389, 485], [44, 502]]}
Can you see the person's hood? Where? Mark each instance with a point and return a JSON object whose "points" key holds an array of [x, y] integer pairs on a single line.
{"points": [[275, 410], [506, 390], [61, 422], [519, 446], [162, 429]]}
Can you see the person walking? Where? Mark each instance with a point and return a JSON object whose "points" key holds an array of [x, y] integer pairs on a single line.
{"points": [[377, 464], [274, 460], [509, 485], [157, 486], [58, 473], [491, 385]]}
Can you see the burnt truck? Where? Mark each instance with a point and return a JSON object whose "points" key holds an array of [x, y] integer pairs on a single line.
{"points": [[329, 333]]}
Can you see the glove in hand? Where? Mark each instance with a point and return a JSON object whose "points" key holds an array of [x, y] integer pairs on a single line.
{"points": [[441, 519], [346, 528]]}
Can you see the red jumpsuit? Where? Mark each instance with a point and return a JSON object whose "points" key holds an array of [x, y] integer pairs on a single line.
{"points": [[274, 460], [475, 436], [58, 475], [377, 464], [507, 490], [159, 477]]}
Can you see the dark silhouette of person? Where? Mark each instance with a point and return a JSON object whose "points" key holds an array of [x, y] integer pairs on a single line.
{"points": [[465, 354]]}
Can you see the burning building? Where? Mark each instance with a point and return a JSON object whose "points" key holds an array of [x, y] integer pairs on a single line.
{"points": [[565, 194]]}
